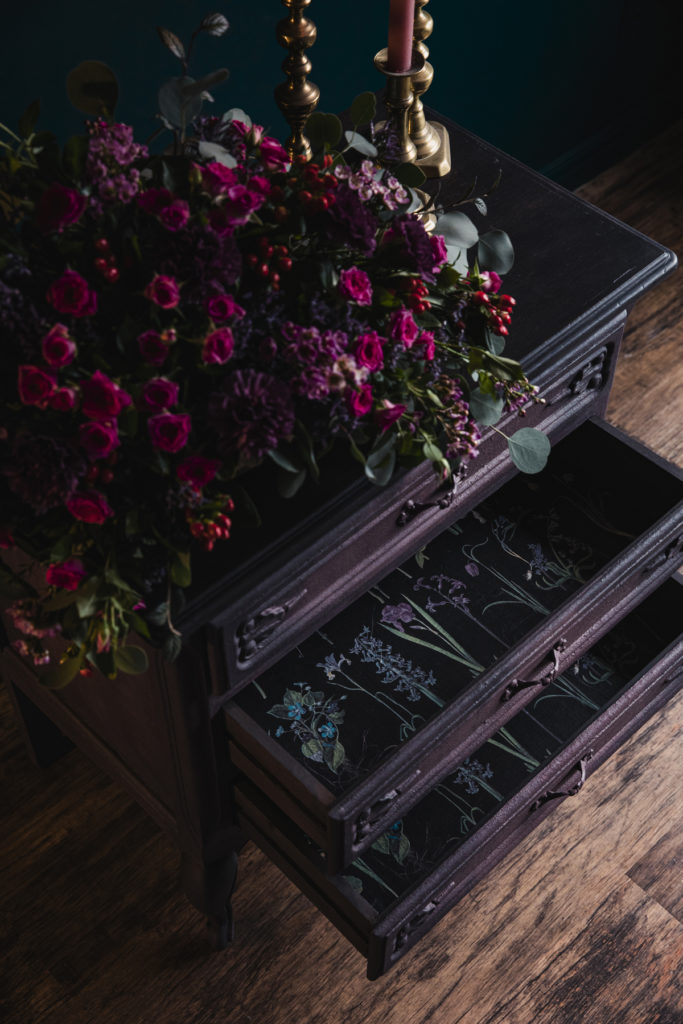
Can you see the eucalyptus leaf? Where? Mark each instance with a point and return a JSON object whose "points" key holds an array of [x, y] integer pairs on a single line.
{"points": [[409, 175], [529, 449], [457, 229], [360, 144], [495, 252], [172, 646], [494, 342], [181, 573], [481, 206], [432, 451], [283, 461], [214, 24], [93, 88], [60, 675], [207, 82], [212, 151], [323, 129], [486, 409], [363, 109], [131, 659], [175, 106], [237, 114], [171, 42], [457, 258], [289, 483], [380, 472]]}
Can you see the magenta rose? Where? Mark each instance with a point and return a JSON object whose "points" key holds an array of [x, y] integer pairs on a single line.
{"points": [[197, 471], [163, 291], [388, 414], [71, 293], [240, 203], [57, 207], [154, 200], [360, 402], [223, 307], [68, 575], [169, 431], [159, 393], [425, 345], [35, 386], [355, 284], [490, 281], [439, 250], [89, 507], [99, 439], [58, 347], [369, 352], [402, 327], [176, 215], [102, 398], [260, 185], [216, 178], [273, 155], [218, 346], [63, 400], [153, 348]]}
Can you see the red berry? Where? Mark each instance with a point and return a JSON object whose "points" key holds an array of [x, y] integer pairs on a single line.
{"points": [[264, 270], [305, 196], [482, 297], [503, 330], [252, 260], [101, 265], [274, 277], [507, 300], [111, 274], [281, 214], [102, 245], [284, 263], [106, 476]]}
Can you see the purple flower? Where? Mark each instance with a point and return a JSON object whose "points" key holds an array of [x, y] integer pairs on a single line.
{"points": [[407, 244], [397, 614], [252, 414], [472, 569], [350, 222], [44, 471]]}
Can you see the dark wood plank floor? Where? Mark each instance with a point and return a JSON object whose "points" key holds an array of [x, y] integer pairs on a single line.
{"points": [[582, 924]]}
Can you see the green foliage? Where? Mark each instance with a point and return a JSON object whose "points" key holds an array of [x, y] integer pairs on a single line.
{"points": [[529, 449]]}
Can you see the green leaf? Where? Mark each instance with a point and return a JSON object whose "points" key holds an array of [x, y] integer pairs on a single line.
{"points": [[432, 452], [323, 129], [363, 109], [283, 462], [289, 483], [360, 144], [457, 229], [61, 675], [486, 409], [403, 849], [480, 205], [172, 646], [500, 366], [409, 175], [494, 342], [380, 470], [529, 449], [495, 252], [138, 624], [434, 399], [171, 42], [131, 659], [312, 748], [158, 616], [192, 89], [356, 452], [29, 118], [181, 573], [176, 106], [93, 88], [74, 156], [334, 756]]}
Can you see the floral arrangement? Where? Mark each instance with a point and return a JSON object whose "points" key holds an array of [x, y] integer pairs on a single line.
{"points": [[173, 322]]}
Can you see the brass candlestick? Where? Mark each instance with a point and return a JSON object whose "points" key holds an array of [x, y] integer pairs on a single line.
{"points": [[297, 98], [398, 99], [430, 138]]}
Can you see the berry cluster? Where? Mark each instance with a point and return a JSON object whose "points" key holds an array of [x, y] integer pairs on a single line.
{"points": [[105, 263], [269, 261], [496, 309], [417, 290], [212, 526]]}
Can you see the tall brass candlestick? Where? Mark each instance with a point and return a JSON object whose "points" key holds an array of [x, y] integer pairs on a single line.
{"points": [[398, 99], [430, 138], [297, 98]]}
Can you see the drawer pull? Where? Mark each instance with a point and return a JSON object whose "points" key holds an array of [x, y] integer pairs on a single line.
{"points": [[370, 817], [670, 551], [413, 508], [555, 794], [544, 680]]}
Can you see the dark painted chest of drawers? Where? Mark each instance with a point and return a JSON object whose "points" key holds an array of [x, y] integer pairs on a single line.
{"points": [[386, 689]]}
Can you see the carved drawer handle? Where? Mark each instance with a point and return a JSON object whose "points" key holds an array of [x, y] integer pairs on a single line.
{"points": [[413, 508], [670, 551], [545, 679], [556, 794]]}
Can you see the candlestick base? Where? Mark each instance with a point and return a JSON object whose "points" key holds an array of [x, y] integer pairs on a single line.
{"points": [[434, 153]]}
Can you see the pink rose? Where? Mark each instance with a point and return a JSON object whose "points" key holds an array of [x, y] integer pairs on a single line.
{"points": [[439, 250], [89, 507], [71, 293], [197, 471], [57, 207], [35, 386], [159, 393], [369, 352], [154, 200], [402, 327], [68, 575], [216, 178], [176, 215], [426, 343], [223, 307], [273, 155], [360, 402], [169, 431], [490, 281], [152, 347], [388, 414], [63, 400], [102, 399], [260, 185], [218, 346], [163, 291], [355, 284], [58, 347], [240, 203], [99, 439]]}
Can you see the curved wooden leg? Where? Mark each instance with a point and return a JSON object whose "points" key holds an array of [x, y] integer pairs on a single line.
{"points": [[209, 888]]}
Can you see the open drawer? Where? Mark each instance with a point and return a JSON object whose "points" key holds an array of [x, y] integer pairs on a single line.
{"points": [[356, 724], [431, 856]]}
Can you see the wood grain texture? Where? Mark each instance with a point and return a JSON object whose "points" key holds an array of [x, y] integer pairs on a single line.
{"points": [[581, 924]]}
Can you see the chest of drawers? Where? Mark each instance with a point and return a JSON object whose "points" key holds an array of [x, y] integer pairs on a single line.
{"points": [[532, 619]]}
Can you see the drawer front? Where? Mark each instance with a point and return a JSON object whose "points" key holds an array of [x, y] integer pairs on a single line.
{"points": [[347, 748], [278, 612], [384, 935]]}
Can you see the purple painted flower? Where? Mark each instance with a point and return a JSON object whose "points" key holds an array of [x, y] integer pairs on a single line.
{"points": [[397, 614], [472, 569]]}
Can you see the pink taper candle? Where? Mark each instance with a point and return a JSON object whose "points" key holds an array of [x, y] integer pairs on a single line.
{"points": [[399, 51]]}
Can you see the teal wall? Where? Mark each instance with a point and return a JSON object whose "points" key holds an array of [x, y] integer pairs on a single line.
{"points": [[565, 87]]}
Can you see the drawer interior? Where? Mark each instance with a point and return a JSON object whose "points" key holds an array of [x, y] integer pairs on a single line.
{"points": [[633, 667], [351, 696]]}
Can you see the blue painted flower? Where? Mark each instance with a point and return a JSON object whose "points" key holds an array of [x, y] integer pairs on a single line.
{"points": [[328, 731], [295, 710]]}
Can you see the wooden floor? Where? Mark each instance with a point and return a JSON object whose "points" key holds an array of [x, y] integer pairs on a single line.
{"points": [[582, 924]]}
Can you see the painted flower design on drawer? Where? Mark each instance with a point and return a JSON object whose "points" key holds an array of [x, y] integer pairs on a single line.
{"points": [[314, 719]]}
